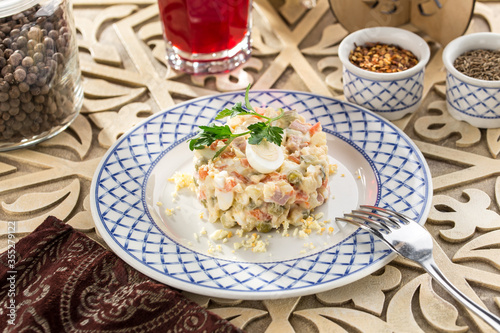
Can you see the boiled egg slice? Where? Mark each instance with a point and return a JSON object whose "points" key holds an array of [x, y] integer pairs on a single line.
{"points": [[224, 198], [265, 157]]}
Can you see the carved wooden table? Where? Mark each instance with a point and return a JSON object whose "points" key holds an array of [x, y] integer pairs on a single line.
{"points": [[126, 80]]}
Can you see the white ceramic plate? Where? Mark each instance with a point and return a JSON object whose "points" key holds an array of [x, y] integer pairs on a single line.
{"points": [[378, 165]]}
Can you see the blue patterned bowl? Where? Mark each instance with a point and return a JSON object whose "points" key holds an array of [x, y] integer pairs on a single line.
{"points": [[391, 95], [472, 100]]}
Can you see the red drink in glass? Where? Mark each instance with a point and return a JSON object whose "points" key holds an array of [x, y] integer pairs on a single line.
{"points": [[206, 36]]}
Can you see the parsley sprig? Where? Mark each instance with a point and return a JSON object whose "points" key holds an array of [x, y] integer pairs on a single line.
{"points": [[258, 131]]}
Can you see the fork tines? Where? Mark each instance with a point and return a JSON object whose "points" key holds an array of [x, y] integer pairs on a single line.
{"points": [[371, 217], [413, 242]]}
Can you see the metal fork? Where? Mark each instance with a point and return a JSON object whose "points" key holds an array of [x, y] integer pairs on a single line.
{"points": [[412, 241]]}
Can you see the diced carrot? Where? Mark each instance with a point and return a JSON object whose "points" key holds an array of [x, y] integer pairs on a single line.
{"points": [[294, 159], [202, 195], [214, 144], [244, 162], [240, 177], [228, 154], [314, 128], [301, 197], [230, 183], [260, 215], [203, 172], [273, 176]]}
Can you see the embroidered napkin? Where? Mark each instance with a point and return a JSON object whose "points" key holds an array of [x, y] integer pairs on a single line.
{"points": [[63, 281]]}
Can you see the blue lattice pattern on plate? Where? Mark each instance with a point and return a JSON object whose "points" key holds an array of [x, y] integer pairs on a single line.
{"points": [[404, 186], [472, 100], [384, 96]]}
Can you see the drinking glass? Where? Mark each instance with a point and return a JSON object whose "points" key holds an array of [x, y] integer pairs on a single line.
{"points": [[206, 36]]}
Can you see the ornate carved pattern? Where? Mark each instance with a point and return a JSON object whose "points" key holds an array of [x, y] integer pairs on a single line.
{"points": [[366, 294], [295, 47], [440, 125], [467, 217]]}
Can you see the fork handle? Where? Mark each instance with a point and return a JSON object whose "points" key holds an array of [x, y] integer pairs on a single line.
{"points": [[433, 270]]}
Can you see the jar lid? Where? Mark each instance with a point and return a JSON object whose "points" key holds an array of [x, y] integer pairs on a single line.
{"points": [[11, 7]]}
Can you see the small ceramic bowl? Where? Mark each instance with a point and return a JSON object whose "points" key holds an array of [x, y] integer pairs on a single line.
{"points": [[391, 95], [472, 100]]}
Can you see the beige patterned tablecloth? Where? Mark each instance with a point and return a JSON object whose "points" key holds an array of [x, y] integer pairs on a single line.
{"points": [[126, 79]]}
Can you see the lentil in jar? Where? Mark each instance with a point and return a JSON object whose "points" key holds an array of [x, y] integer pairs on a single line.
{"points": [[382, 58]]}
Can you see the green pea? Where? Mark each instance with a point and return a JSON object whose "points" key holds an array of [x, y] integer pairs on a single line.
{"points": [[294, 177], [264, 227], [275, 209], [251, 204]]}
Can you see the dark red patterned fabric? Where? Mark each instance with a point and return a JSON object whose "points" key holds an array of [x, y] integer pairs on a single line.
{"points": [[64, 281]]}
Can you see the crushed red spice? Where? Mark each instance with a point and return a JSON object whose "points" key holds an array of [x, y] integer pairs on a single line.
{"points": [[382, 58]]}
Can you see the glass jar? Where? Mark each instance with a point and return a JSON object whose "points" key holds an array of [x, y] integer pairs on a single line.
{"points": [[40, 80]]}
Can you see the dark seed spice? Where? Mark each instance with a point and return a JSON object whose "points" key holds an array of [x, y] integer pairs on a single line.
{"points": [[36, 48], [479, 64], [382, 58]]}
